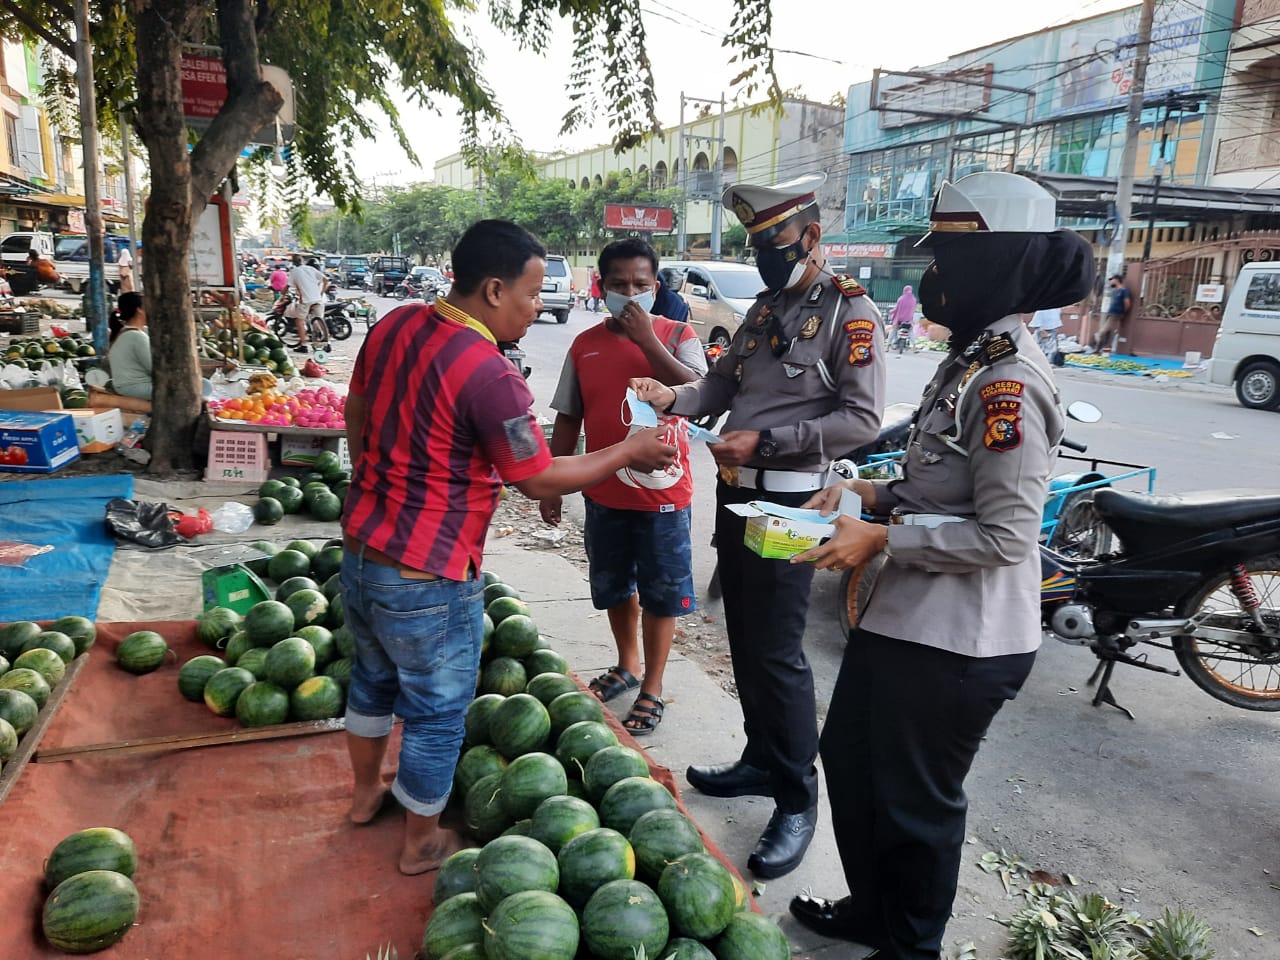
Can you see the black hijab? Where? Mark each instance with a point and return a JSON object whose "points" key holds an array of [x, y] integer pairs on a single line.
{"points": [[976, 279]]}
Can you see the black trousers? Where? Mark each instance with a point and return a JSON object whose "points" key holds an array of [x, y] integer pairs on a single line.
{"points": [[765, 602], [904, 726]]}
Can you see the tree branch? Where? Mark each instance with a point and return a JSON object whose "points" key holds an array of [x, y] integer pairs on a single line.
{"points": [[61, 43]]}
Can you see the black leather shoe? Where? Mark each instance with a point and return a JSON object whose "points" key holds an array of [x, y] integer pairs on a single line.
{"points": [[783, 844], [730, 780], [833, 919]]}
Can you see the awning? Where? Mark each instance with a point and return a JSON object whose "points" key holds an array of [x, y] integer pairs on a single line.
{"points": [[1094, 196], [12, 186], [56, 199]]}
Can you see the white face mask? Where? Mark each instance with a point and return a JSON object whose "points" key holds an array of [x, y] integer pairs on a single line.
{"points": [[616, 302]]}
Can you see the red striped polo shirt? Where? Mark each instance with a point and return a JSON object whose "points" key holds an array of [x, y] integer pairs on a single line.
{"points": [[447, 424]]}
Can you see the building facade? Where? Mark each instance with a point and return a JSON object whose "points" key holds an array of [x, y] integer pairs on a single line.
{"points": [[1247, 140]]}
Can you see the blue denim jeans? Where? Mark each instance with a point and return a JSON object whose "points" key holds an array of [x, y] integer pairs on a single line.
{"points": [[417, 655]]}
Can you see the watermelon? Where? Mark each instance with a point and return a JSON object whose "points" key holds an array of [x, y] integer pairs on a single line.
{"points": [[576, 745], [293, 585], [326, 563], [456, 875], [628, 800], [337, 613], [482, 808], [90, 911], [521, 828], [309, 607], [268, 511], [238, 644], [291, 481], [290, 661], [457, 921], [290, 500], [18, 709], [28, 682], [527, 781], [317, 698], [509, 865], [592, 859], [268, 622], [345, 641], [487, 637], [259, 565], [546, 661], [516, 636], [547, 686], [561, 818], [468, 951], [660, 837], [305, 547], [255, 661], [332, 587], [519, 725], [495, 590], [531, 925], [479, 712], [622, 916], [575, 790], [81, 630], [682, 948], [326, 507], [750, 936], [699, 896], [321, 641], [4, 666], [740, 892], [44, 662], [570, 708], [340, 670], [195, 673], [288, 563], [262, 704], [505, 607], [503, 676], [59, 643], [327, 464], [8, 740], [476, 764], [270, 488], [98, 848], [14, 635], [224, 688], [488, 577], [215, 625]]}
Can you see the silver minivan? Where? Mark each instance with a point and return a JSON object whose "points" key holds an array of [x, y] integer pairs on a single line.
{"points": [[558, 289], [1246, 352], [719, 294]]}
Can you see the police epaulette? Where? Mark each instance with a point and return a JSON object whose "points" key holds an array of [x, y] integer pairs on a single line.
{"points": [[1000, 345], [849, 286]]}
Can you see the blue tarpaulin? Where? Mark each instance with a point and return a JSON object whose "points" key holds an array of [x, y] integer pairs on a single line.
{"points": [[67, 515]]}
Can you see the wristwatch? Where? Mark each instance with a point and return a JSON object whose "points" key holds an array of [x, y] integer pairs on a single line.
{"points": [[766, 446]]}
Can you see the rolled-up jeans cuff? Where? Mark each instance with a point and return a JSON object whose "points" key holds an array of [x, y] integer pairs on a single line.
{"points": [[422, 808], [363, 725]]}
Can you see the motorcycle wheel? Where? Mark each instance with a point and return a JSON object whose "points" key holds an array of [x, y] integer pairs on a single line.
{"points": [[856, 585], [282, 326], [1245, 676], [1080, 532], [339, 326], [400, 293]]}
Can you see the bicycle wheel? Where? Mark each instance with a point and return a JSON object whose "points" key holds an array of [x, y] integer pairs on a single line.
{"points": [[1244, 673], [1081, 532]]}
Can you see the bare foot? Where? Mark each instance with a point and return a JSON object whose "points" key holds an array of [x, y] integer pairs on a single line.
{"points": [[366, 804], [416, 860]]}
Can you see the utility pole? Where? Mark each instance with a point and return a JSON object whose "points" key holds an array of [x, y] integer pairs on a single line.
{"points": [[1129, 155], [95, 299], [717, 207], [129, 196], [681, 230]]}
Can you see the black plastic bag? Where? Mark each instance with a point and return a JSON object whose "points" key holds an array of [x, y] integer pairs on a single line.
{"points": [[140, 521]]}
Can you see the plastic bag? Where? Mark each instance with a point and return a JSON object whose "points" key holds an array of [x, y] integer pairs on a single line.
{"points": [[14, 553], [191, 525], [233, 517], [142, 522]]}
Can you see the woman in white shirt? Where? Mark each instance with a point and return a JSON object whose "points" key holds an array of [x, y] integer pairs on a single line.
{"points": [[130, 355]]}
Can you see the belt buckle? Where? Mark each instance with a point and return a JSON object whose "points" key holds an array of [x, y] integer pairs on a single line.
{"points": [[729, 475], [896, 519]]}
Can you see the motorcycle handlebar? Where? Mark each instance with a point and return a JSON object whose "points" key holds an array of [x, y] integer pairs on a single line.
{"points": [[1073, 445]]}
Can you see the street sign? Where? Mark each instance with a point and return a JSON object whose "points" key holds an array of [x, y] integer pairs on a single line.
{"points": [[1211, 292], [204, 91], [622, 216]]}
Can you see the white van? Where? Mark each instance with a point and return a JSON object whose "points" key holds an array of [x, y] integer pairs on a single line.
{"points": [[1247, 350], [719, 294]]}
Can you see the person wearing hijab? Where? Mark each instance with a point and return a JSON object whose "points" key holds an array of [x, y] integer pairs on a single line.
{"points": [[130, 354], [952, 626], [904, 311]]}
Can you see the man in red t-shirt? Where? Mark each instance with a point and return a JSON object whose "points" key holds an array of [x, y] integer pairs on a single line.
{"points": [[637, 523], [437, 421]]}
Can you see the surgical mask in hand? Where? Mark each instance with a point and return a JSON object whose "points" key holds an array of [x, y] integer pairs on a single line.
{"points": [[616, 302]]}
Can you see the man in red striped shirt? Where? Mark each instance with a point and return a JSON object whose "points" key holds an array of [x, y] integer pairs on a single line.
{"points": [[437, 421]]}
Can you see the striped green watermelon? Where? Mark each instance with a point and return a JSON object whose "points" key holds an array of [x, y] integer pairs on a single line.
{"points": [[606, 767], [493, 591], [488, 576], [255, 661], [215, 625], [532, 925], [518, 725], [332, 586], [528, 780], [659, 837], [477, 763], [510, 865], [293, 585], [326, 564], [321, 640], [44, 662], [486, 638], [504, 607], [546, 661], [516, 636], [482, 808], [457, 921], [622, 916], [559, 819], [195, 673], [628, 800], [29, 682], [81, 630], [456, 875], [290, 661], [262, 704], [224, 688], [468, 951], [682, 948], [59, 643], [309, 607], [142, 652], [268, 622], [317, 698], [90, 911], [521, 828], [97, 848], [345, 641], [18, 708], [288, 562], [14, 635], [337, 615], [8, 740], [238, 644], [479, 712], [698, 894], [592, 859], [503, 676], [570, 708], [547, 686], [750, 936], [340, 670], [577, 744]]}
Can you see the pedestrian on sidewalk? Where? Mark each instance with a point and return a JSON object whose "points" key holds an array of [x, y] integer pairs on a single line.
{"points": [[639, 553], [595, 290], [952, 627], [438, 419], [1046, 324], [803, 381], [1117, 309]]}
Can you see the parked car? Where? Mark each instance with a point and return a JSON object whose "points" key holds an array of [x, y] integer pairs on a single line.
{"points": [[353, 272], [386, 273], [71, 259], [332, 269], [14, 250], [1246, 352], [432, 278], [558, 289], [719, 294]]}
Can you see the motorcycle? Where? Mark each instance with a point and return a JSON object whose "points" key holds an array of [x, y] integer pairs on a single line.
{"points": [[411, 289], [337, 322], [902, 338], [511, 350]]}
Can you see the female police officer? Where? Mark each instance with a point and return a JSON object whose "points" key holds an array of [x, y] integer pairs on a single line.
{"points": [[951, 630]]}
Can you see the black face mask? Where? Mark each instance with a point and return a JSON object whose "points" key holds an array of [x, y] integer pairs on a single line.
{"points": [[931, 297], [778, 265]]}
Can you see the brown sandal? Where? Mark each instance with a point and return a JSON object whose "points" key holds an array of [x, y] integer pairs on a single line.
{"points": [[612, 683], [647, 717]]}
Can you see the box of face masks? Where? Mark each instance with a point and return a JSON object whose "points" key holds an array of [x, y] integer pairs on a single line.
{"points": [[776, 532]]}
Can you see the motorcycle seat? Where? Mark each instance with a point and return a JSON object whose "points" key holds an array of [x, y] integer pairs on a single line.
{"points": [[1207, 510]]}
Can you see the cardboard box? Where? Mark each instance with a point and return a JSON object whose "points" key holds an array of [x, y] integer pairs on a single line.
{"points": [[33, 442], [31, 398], [97, 430], [302, 451], [776, 532]]}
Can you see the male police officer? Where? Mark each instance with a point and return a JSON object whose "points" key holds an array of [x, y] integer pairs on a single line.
{"points": [[951, 630], [803, 381]]}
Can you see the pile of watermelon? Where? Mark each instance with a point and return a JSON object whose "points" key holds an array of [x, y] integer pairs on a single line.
{"points": [[93, 902], [33, 661], [584, 854], [320, 491]]}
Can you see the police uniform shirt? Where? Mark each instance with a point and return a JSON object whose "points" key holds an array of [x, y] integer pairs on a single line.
{"points": [[982, 453], [822, 396]]}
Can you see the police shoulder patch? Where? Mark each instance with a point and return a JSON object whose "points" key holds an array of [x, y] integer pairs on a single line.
{"points": [[1002, 405], [848, 286], [861, 340]]}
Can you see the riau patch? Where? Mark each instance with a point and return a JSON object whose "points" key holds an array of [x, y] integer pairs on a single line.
{"points": [[809, 329], [1003, 430], [1001, 388], [861, 339], [848, 286]]}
